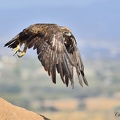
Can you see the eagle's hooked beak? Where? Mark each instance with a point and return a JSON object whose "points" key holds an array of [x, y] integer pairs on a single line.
{"points": [[67, 34]]}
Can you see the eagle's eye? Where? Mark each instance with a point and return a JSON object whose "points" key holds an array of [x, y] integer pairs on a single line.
{"points": [[67, 33]]}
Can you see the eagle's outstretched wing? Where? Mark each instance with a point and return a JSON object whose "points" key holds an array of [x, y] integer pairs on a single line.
{"points": [[56, 49]]}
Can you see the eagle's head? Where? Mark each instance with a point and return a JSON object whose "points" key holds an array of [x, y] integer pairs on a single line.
{"points": [[66, 31], [69, 39]]}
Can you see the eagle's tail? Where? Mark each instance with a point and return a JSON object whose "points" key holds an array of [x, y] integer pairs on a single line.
{"points": [[13, 43]]}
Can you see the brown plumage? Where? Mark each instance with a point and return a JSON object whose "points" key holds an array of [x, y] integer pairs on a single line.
{"points": [[56, 49]]}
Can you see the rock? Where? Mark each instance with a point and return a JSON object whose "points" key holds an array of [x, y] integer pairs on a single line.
{"points": [[12, 112]]}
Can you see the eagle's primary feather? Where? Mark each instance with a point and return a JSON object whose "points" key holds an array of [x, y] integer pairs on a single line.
{"points": [[56, 49]]}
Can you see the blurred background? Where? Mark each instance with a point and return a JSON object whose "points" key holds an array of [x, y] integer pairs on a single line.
{"points": [[96, 26]]}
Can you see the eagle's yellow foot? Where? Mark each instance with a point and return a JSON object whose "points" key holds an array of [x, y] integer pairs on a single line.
{"points": [[17, 49], [21, 54]]}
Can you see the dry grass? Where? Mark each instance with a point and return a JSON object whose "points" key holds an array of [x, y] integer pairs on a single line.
{"points": [[63, 105], [100, 108], [86, 115], [102, 103]]}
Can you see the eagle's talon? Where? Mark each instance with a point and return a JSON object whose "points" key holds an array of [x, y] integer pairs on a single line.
{"points": [[21, 54], [17, 49]]}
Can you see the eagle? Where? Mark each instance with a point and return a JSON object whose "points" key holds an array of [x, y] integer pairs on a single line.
{"points": [[56, 49]]}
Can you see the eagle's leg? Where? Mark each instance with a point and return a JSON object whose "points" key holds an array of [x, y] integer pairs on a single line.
{"points": [[22, 53], [17, 49]]}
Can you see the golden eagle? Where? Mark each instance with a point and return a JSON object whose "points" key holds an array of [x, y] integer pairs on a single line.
{"points": [[56, 49]]}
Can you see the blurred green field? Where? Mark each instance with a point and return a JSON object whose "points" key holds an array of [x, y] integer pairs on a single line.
{"points": [[24, 83]]}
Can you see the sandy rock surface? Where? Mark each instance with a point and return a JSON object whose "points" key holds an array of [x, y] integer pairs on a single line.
{"points": [[12, 112]]}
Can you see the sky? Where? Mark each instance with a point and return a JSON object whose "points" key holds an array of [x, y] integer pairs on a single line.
{"points": [[48, 3], [87, 18], [91, 21]]}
